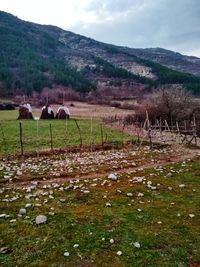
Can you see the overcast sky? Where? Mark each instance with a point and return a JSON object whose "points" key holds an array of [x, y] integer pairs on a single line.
{"points": [[170, 24]]}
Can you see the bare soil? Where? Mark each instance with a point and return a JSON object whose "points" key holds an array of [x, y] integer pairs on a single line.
{"points": [[179, 154], [85, 110]]}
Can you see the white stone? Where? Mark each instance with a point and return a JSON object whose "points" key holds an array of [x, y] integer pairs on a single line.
{"points": [[22, 211], [13, 220], [112, 177], [136, 244], [86, 191], [28, 205], [66, 254], [191, 215], [41, 219], [119, 253], [112, 241], [76, 245], [62, 199]]}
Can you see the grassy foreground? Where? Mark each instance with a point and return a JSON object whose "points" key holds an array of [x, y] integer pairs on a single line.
{"points": [[36, 134], [149, 216]]}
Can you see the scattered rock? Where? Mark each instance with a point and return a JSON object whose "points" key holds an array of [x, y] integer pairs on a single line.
{"points": [[136, 244], [66, 254], [62, 199], [112, 241], [28, 205], [169, 175], [13, 220], [2, 216], [41, 219], [5, 250], [22, 211], [112, 177]]}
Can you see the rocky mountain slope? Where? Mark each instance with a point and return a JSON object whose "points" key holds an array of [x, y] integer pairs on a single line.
{"points": [[34, 56], [173, 60]]}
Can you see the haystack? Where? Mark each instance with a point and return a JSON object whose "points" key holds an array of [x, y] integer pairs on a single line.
{"points": [[47, 113], [24, 114], [62, 115]]}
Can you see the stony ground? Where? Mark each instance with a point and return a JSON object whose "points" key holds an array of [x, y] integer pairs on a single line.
{"points": [[131, 207]]}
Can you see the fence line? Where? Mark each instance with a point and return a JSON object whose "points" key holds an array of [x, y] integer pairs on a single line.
{"points": [[3, 138], [48, 137], [36, 137], [21, 139]]}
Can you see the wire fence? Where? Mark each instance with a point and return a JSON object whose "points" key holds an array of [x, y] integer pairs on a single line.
{"points": [[160, 131], [23, 137]]}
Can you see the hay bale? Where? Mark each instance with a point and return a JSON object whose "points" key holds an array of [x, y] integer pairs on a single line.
{"points": [[62, 115], [24, 114], [46, 115]]}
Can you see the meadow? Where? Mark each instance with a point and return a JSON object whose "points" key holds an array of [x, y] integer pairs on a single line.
{"points": [[37, 135]]}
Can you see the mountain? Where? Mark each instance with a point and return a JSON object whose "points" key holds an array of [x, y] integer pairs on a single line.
{"points": [[34, 56], [170, 59]]}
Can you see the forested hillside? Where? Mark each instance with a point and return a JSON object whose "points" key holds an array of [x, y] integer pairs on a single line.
{"points": [[34, 56]]}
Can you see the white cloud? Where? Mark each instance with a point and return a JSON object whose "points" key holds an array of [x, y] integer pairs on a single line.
{"points": [[171, 24], [62, 13]]}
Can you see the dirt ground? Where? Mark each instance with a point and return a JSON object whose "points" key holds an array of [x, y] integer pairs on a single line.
{"points": [[85, 110]]}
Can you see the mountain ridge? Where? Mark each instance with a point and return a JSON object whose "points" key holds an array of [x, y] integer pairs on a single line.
{"points": [[35, 56]]}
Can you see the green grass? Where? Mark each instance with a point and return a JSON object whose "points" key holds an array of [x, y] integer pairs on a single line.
{"points": [[36, 134], [84, 219], [8, 115]]}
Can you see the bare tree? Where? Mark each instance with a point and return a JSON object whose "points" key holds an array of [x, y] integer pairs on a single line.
{"points": [[173, 102], [169, 102]]}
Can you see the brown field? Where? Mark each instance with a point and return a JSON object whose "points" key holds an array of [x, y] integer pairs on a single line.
{"points": [[85, 110]]}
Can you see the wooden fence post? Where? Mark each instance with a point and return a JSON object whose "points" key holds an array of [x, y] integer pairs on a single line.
{"points": [[102, 140], [37, 136], [66, 134], [79, 131], [195, 130], [51, 136], [123, 129], [3, 139], [91, 132], [21, 139]]}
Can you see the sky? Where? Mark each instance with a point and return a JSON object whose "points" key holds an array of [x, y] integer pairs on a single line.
{"points": [[170, 24]]}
